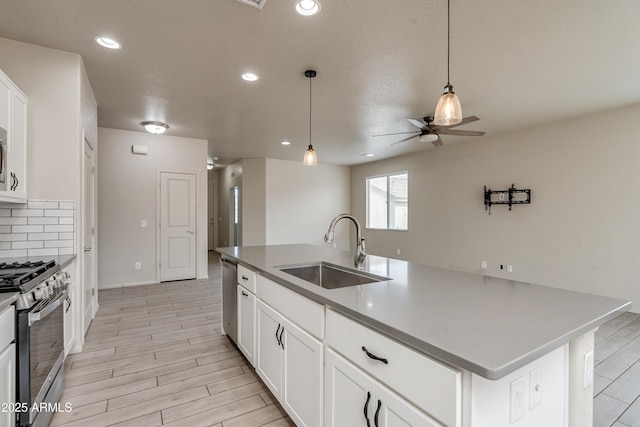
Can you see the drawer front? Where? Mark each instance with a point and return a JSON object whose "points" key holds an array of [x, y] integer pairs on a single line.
{"points": [[302, 311], [430, 385], [247, 278], [7, 326]]}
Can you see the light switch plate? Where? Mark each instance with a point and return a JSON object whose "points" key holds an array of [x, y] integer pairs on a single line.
{"points": [[517, 401]]}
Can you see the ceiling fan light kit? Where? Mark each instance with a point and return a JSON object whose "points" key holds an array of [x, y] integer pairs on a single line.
{"points": [[448, 110], [310, 158]]}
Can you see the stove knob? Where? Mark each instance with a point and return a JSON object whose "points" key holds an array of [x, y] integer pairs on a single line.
{"points": [[37, 294]]}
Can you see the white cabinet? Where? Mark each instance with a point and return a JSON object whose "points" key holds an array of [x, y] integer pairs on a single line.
{"points": [[353, 399], [290, 362], [7, 365], [247, 323], [13, 142]]}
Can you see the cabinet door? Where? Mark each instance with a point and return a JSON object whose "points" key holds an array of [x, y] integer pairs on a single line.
{"points": [[303, 376], [393, 411], [17, 166], [247, 324], [8, 383], [269, 352], [349, 394]]}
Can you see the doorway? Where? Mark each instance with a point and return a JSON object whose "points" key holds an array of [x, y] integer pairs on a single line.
{"points": [[177, 226]]}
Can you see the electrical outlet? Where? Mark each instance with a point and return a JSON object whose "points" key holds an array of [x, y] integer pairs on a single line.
{"points": [[517, 402], [397, 251], [138, 265], [509, 268], [535, 388], [143, 223], [484, 264]]}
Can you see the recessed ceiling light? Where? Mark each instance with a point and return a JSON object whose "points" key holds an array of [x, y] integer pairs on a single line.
{"points": [[307, 7], [250, 77], [367, 154], [285, 143], [107, 42], [155, 128]]}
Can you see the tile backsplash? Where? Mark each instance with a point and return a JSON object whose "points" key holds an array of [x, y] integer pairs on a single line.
{"points": [[37, 228]]}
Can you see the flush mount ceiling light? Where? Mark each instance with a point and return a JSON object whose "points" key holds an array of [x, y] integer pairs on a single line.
{"points": [[107, 42], [155, 128], [448, 110], [250, 77], [310, 158], [210, 165], [307, 7]]}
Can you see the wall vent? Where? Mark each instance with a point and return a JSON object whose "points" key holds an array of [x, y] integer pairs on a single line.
{"points": [[255, 3]]}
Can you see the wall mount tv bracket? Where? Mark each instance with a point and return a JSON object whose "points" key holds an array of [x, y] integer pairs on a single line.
{"points": [[512, 196]]}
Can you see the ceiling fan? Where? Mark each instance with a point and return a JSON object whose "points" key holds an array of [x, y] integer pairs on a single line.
{"points": [[430, 132]]}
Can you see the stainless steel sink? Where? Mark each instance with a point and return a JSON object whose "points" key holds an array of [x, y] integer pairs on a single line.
{"points": [[331, 276]]}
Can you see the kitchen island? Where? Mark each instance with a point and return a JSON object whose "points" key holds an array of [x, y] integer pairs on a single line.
{"points": [[503, 337]]}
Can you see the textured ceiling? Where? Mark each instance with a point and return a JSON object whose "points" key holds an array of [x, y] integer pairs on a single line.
{"points": [[515, 64]]}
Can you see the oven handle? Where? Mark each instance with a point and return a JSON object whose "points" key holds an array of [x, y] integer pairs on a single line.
{"points": [[39, 315]]}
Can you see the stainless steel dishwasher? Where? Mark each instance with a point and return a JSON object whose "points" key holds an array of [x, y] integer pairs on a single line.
{"points": [[229, 298]]}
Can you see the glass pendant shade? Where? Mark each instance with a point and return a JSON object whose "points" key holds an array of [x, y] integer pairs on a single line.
{"points": [[310, 158], [448, 110]]}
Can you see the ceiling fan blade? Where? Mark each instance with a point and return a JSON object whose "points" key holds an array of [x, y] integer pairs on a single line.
{"points": [[445, 131], [464, 121], [397, 133], [437, 142], [403, 140], [419, 123]]}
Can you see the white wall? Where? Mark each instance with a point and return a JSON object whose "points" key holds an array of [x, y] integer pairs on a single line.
{"points": [[127, 194], [285, 202], [580, 232], [301, 201]]}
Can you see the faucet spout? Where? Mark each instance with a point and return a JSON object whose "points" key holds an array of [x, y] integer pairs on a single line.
{"points": [[361, 254]]}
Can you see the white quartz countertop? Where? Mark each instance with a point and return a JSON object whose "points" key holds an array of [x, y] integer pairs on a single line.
{"points": [[489, 326]]}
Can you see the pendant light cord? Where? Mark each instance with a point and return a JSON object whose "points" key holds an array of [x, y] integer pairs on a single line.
{"points": [[310, 111], [448, 39]]}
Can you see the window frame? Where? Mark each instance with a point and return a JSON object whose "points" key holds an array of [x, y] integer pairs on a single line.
{"points": [[388, 205]]}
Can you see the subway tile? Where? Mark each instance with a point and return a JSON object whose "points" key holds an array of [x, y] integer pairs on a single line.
{"points": [[13, 237], [38, 244], [59, 244], [66, 251], [12, 221], [69, 204], [43, 236], [12, 253], [42, 220], [42, 204], [59, 213], [65, 220], [27, 212], [5, 245], [5, 229], [5, 212], [58, 228], [43, 252], [27, 228], [66, 236]]}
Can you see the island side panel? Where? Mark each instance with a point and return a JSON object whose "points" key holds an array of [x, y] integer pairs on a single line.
{"points": [[581, 365]]}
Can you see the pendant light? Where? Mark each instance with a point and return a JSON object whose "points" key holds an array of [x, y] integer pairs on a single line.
{"points": [[310, 158], [448, 110]]}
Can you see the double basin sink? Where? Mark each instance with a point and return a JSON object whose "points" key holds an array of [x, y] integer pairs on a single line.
{"points": [[331, 276]]}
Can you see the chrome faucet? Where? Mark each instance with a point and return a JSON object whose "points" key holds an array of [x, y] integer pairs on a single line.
{"points": [[360, 251]]}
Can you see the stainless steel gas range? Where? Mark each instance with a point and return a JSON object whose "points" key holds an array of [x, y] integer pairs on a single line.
{"points": [[40, 337]]}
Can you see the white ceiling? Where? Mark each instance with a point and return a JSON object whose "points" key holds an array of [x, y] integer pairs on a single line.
{"points": [[514, 63]]}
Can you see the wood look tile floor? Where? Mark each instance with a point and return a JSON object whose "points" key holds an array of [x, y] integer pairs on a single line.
{"points": [[154, 356]]}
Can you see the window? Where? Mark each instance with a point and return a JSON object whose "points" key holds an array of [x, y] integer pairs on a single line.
{"points": [[388, 201]]}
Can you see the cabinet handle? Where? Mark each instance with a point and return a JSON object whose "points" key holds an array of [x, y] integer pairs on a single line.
{"points": [[366, 409], [245, 278], [244, 294], [374, 357], [278, 330], [375, 417], [282, 342], [17, 182], [68, 300]]}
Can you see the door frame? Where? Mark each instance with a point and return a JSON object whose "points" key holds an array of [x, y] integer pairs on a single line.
{"points": [[159, 213]]}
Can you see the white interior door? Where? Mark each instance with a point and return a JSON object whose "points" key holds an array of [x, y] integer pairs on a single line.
{"points": [[177, 226], [89, 292]]}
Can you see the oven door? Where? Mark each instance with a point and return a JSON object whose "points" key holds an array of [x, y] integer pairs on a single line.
{"points": [[40, 357]]}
